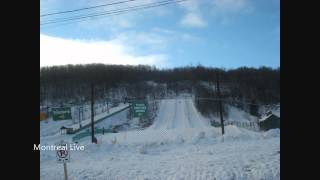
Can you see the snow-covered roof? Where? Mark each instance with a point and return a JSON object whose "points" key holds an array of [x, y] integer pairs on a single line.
{"points": [[264, 117], [267, 116]]}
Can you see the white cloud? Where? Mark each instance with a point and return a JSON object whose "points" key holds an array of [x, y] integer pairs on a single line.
{"points": [[224, 10], [142, 38], [155, 40], [59, 51], [193, 20], [193, 17]]}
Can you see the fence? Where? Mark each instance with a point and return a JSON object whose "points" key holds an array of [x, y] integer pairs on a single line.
{"points": [[247, 125], [84, 112]]}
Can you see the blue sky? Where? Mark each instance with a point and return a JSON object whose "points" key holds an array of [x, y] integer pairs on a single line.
{"points": [[216, 33]]}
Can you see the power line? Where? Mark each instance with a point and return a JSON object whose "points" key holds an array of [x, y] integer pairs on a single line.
{"points": [[86, 8], [109, 12], [113, 12]]}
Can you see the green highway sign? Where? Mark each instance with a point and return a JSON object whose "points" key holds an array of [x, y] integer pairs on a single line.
{"points": [[63, 113], [139, 108]]}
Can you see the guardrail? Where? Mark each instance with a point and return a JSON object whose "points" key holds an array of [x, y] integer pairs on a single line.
{"points": [[97, 121]]}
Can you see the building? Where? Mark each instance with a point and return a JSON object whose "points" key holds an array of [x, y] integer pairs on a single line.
{"points": [[270, 121]]}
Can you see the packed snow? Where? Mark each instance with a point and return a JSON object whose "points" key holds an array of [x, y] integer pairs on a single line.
{"points": [[180, 144], [178, 113]]}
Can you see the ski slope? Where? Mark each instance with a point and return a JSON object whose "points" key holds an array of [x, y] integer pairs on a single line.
{"points": [[179, 145], [178, 114]]}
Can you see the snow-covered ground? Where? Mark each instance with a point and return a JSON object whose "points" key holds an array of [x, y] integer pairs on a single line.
{"points": [[179, 145], [235, 114]]}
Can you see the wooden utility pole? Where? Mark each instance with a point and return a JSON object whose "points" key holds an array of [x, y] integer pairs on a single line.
{"points": [[79, 109], [220, 104], [92, 114]]}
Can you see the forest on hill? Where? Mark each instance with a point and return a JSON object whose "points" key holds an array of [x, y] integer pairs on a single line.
{"points": [[73, 83]]}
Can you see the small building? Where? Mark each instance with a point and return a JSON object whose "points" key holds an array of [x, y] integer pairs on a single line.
{"points": [[270, 121], [65, 130]]}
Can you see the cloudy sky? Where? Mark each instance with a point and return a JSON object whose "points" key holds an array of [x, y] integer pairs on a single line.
{"points": [[216, 33]]}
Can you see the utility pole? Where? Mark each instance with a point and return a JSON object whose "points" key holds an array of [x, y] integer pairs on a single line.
{"points": [[80, 107], [79, 114], [46, 101], [92, 114], [220, 104], [108, 105]]}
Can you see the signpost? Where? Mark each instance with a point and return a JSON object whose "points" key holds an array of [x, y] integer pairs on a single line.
{"points": [[63, 113], [63, 156], [139, 108]]}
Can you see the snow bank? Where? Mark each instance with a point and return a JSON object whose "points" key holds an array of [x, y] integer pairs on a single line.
{"points": [[235, 114], [201, 157], [272, 133]]}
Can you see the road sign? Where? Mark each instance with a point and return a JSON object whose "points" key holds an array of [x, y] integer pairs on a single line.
{"points": [[63, 113], [139, 108], [62, 152]]}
